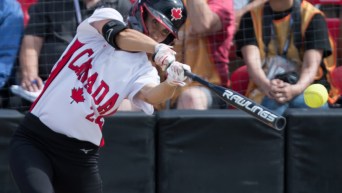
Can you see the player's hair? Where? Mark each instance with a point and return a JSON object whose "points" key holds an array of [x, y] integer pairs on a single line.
{"points": [[170, 13]]}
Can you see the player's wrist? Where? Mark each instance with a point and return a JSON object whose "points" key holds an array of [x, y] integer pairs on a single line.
{"points": [[163, 55], [174, 83], [171, 84]]}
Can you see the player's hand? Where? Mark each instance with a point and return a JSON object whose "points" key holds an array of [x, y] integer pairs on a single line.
{"points": [[175, 74], [163, 55]]}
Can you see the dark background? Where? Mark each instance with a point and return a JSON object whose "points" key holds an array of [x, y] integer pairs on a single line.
{"points": [[213, 151]]}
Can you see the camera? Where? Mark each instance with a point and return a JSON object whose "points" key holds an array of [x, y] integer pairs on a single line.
{"points": [[289, 77]]}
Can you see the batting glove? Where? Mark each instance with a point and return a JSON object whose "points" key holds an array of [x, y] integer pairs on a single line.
{"points": [[175, 74], [163, 55]]}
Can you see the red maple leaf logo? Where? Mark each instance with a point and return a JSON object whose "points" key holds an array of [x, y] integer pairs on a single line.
{"points": [[77, 95], [176, 14]]}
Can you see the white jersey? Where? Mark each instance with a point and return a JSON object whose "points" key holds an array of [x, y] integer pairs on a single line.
{"points": [[90, 80]]}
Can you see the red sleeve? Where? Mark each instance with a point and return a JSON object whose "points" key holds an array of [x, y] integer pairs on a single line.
{"points": [[221, 41], [225, 10]]}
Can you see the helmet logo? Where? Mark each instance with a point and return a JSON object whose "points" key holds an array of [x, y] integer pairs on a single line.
{"points": [[176, 14]]}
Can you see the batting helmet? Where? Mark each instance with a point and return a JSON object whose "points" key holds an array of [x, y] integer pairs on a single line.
{"points": [[170, 13]]}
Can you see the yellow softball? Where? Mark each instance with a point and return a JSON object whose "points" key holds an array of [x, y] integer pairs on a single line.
{"points": [[315, 95]]}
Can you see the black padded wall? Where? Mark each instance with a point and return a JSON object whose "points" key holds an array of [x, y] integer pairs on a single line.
{"points": [[127, 161], [314, 151], [9, 121], [218, 151]]}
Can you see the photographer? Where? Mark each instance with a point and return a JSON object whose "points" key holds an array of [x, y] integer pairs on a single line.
{"points": [[285, 45]]}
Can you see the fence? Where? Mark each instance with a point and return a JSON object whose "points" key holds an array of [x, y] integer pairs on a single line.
{"points": [[216, 151]]}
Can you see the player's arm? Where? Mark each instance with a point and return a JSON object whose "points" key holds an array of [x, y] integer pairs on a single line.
{"points": [[157, 94], [124, 38], [121, 37]]}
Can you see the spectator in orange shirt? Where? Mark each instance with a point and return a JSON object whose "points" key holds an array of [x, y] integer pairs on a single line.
{"points": [[204, 44]]}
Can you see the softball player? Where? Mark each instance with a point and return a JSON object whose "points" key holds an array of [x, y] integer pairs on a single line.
{"points": [[55, 149]]}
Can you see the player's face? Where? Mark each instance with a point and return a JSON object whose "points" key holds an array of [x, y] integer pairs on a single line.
{"points": [[156, 30]]}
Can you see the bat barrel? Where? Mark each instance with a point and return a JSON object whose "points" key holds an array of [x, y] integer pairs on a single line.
{"points": [[243, 103], [280, 123], [259, 112]]}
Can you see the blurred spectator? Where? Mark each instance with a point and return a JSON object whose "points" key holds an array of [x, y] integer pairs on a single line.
{"points": [[11, 31], [280, 63], [337, 74], [339, 41], [243, 6], [239, 4], [236, 65], [204, 44], [25, 5], [51, 27]]}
